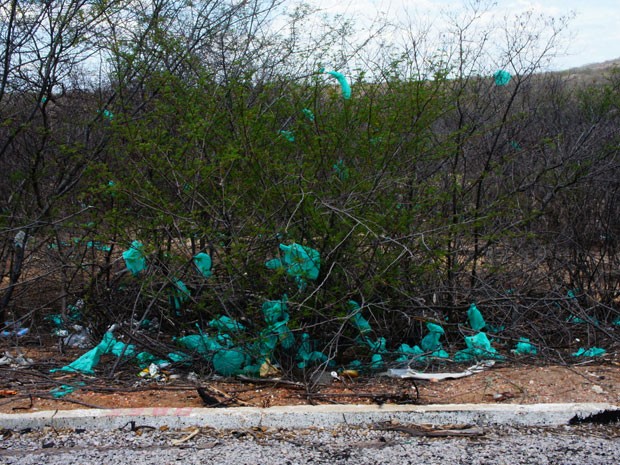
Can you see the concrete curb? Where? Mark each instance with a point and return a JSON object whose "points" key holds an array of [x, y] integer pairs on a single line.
{"points": [[306, 416]]}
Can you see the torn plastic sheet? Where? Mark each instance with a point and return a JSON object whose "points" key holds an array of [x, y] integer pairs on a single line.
{"points": [[413, 374], [65, 389], [225, 324], [430, 342], [134, 258]]}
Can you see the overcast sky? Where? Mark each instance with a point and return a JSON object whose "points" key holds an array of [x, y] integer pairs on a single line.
{"points": [[593, 36]]}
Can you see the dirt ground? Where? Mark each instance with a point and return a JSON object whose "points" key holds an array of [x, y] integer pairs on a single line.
{"points": [[31, 388]]}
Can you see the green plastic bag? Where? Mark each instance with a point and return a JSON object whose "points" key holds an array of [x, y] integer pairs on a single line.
{"points": [[524, 347], [225, 324], [180, 294], [476, 321], [430, 342], [591, 352], [407, 353], [203, 263], [229, 362], [357, 319], [306, 356], [88, 361], [478, 348], [501, 77], [134, 258]]}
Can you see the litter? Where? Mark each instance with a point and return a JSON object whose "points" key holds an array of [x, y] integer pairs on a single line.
{"points": [[288, 135], [591, 352], [308, 114], [203, 263], [306, 356], [413, 374], [180, 294], [476, 321], [501, 77], [478, 348], [342, 80], [299, 261], [524, 347], [15, 361], [134, 258], [341, 170], [357, 319]]}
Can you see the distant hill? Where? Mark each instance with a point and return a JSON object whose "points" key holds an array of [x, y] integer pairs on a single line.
{"points": [[593, 72]]}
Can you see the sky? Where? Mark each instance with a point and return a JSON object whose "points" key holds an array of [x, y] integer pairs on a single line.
{"points": [[593, 33]]}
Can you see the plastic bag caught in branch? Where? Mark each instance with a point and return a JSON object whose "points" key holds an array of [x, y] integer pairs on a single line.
{"points": [[501, 77], [342, 80], [357, 319], [478, 348], [134, 258], [203, 263], [299, 261], [476, 321], [306, 355]]}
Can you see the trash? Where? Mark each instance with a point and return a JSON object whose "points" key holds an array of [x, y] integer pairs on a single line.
{"points": [[478, 348], [308, 114], [180, 294], [226, 324], [430, 342], [88, 361], [277, 318], [288, 135], [408, 353], [591, 352], [13, 330], [376, 362], [80, 339], [20, 239], [64, 390], [344, 85], [357, 319], [229, 362], [299, 261], [268, 370], [501, 77], [203, 263], [134, 258], [153, 371], [409, 373], [341, 170], [524, 347], [15, 361], [306, 355], [577, 320], [476, 321]]}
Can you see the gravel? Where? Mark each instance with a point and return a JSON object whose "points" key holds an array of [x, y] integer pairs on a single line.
{"points": [[583, 444]]}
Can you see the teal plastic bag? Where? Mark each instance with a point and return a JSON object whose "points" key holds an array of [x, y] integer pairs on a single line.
{"points": [[342, 80], [357, 319], [180, 294], [476, 321], [501, 77], [202, 261], [134, 258], [298, 261], [524, 347], [225, 324], [591, 352], [88, 361], [229, 362], [306, 356], [478, 348], [430, 342], [407, 353], [308, 114], [341, 170]]}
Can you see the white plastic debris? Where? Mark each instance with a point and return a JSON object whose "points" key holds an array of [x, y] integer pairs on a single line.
{"points": [[409, 373]]}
